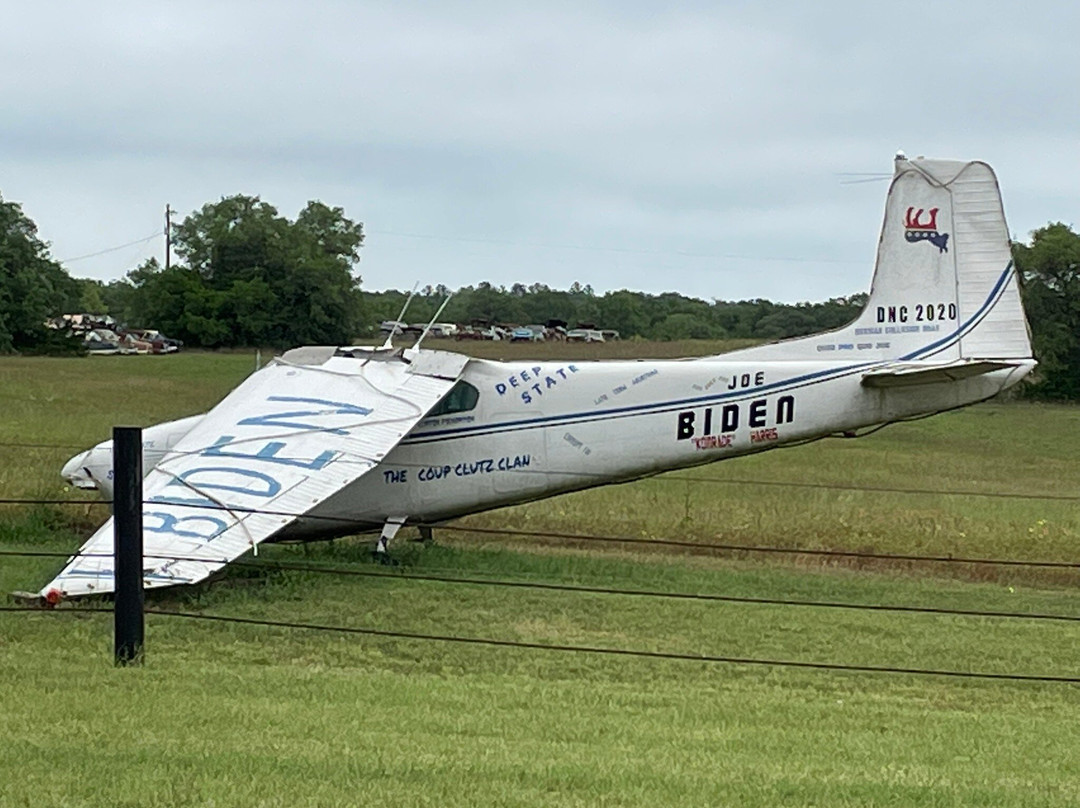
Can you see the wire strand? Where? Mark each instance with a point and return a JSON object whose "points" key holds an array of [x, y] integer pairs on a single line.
{"points": [[72, 610], [647, 593], [624, 652], [110, 249], [834, 667], [879, 489], [632, 652], [65, 446], [583, 589], [751, 548], [655, 542], [18, 501], [662, 478]]}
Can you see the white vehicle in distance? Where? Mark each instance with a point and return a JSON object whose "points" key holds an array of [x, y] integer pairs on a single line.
{"points": [[584, 335], [435, 330], [529, 333], [443, 330]]}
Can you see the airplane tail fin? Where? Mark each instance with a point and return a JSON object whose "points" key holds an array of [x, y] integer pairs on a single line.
{"points": [[944, 289]]}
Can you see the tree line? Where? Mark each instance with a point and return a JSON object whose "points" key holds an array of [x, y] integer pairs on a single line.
{"points": [[248, 276], [667, 316]]}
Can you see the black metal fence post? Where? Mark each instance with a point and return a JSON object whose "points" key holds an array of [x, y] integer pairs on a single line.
{"points": [[128, 544]]}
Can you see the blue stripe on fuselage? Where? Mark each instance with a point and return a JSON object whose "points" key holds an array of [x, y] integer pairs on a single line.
{"points": [[657, 407]]}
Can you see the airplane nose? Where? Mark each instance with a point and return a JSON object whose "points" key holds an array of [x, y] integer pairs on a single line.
{"points": [[92, 469], [75, 472]]}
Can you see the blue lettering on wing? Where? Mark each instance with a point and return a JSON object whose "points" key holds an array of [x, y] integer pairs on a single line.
{"points": [[272, 487], [170, 524], [267, 453], [279, 418], [199, 502]]}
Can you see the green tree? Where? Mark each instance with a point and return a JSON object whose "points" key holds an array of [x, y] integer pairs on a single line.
{"points": [[664, 316], [625, 312], [1050, 269], [252, 277], [789, 321], [682, 325], [33, 287], [117, 297], [91, 297]]}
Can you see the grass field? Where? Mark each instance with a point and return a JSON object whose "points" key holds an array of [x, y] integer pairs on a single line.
{"points": [[230, 714]]}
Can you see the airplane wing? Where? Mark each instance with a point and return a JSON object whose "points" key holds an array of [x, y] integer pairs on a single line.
{"points": [[292, 434], [913, 374]]}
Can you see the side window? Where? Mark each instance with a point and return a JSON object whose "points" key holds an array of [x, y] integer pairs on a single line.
{"points": [[462, 397]]}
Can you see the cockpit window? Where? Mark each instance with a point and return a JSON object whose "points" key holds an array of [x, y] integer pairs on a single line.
{"points": [[462, 397]]}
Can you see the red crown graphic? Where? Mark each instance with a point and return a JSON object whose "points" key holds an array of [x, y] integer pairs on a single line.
{"points": [[914, 221]]}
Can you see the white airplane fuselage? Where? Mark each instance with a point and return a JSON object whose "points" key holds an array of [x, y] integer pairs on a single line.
{"points": [[541, 428]]}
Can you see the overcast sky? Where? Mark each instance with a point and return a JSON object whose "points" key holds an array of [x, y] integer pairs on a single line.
{"points": [[690, 147]]}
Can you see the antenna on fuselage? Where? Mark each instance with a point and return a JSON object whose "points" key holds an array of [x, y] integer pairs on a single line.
{"points": [[415, 349], [389, 344]]}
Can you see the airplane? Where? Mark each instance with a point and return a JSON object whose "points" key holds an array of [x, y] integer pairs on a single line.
{"points": [[328, 441]]}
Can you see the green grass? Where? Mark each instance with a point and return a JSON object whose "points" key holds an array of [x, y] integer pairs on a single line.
{"points": [[243, 715], [235, 715]]}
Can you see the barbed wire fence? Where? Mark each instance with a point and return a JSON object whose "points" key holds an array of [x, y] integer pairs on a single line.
{"points": [[697, 546]]}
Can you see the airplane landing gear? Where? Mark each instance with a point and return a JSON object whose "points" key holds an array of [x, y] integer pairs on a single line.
{"points": [[390, 529]]}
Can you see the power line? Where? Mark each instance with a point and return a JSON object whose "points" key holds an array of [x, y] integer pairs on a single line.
{"points": [[878, 489], [581, 589], [646, 593], [871, 489], [110, 249], [37, 554], [753, 548], [866, 179], [72, 610], [65, 446], [581, 649], [671, 477], [18, 501], [625, 652], [658, 542]]}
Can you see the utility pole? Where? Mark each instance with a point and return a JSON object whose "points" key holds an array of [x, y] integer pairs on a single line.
{"points": [[168, 236]]}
